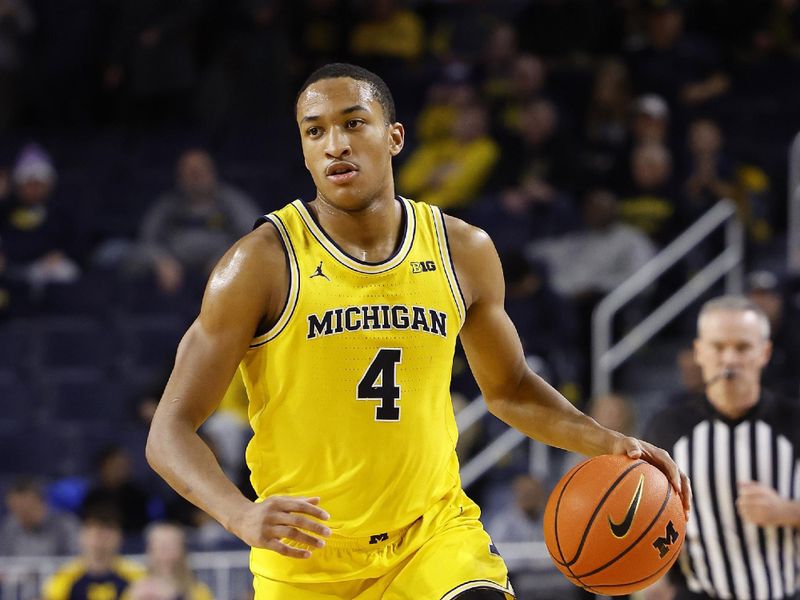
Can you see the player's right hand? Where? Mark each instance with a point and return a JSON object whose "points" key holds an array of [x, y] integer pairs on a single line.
{"points": [[266, 524]]}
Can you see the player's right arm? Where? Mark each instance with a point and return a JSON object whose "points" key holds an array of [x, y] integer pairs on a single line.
{"points": [[246, 291]]}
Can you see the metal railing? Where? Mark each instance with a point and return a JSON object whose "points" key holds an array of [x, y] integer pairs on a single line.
{"points": [[607, 356], [793, 226]]}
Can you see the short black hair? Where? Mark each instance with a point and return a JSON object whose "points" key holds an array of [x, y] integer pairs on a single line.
{"points": [[27, 484], [101, 512], [376, 84]]}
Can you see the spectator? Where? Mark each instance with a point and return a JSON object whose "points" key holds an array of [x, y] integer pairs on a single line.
{"points": [[613, 410], [685, 70], [527, 83], [389, 33], [36, 237], [99, 571], [168, 575], [593, 261], [319, 31], [31, 528], [650, 120], [496, 63], [690, 375], [521, 520], [150, 58], [450, 173], [16, 22], [539, 149], [709, 174], [532, 210], [116, 487], [766, 291], [607, 123], [651, 204], [587, 264], [187, 230], [445, 100]]}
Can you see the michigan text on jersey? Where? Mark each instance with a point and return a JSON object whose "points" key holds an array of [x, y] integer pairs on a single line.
{"points": [[377, 316]]}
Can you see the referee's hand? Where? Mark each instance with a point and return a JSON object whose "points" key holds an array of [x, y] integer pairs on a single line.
{"points": [[660, 458], [761, 505]]}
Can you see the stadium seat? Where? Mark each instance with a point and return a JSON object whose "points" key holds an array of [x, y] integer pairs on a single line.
{"points": [[85, 395], [150, 341], [21, 400], [66, 342], [16, 345]]}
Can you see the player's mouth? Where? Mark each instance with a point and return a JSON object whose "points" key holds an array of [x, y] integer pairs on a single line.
{"points": [[341, 172]]}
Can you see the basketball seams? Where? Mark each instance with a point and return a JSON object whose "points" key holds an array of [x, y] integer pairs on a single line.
{"points": [[652, 578], [597, 509], [638, 539], [555, 519], [594, 497]]}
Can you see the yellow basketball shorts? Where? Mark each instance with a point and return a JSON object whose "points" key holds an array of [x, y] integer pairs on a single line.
{"points": [[439, 556]]}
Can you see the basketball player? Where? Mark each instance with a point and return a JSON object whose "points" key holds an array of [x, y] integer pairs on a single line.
{"points": [[741, 447], [342, 315]]}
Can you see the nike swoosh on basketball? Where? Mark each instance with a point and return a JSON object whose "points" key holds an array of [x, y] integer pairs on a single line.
{"points": [[620, 530]]}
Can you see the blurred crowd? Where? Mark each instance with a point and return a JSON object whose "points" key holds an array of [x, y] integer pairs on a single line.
{"points": [[140, 138]]}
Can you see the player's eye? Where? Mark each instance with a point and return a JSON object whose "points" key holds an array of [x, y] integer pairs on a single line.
{"points": [[353, 123], [313, 131]]}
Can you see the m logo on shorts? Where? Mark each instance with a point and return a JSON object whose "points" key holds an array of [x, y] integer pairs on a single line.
{"points": [[378, 537]]}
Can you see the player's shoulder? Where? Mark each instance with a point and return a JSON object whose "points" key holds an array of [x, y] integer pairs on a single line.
{"points": [[259, 249], [464, 236]]}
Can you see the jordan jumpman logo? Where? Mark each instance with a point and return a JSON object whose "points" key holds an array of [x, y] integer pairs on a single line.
{"points": [[319, 273]]}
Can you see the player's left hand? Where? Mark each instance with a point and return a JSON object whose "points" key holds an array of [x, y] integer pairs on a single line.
{"points": [[761, 505], [661, 459]]}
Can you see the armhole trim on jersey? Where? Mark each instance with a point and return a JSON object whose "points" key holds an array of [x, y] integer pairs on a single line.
{"points": [[447, 261], [294, 285], [478, 584]]}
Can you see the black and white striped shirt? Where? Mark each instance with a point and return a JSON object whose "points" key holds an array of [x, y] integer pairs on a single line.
{"points": [[724, 556]]}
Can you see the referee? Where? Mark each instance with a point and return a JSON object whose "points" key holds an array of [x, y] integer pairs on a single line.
{"points": [[740, 447]]}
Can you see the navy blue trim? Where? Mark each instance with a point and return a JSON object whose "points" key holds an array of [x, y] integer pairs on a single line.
{"points": [[289, 289], [404, 223], [491, 587], [439, 245], [452, 265]]}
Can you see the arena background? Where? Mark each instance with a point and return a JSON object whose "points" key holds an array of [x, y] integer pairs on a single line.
{"points": [[584, 136]]}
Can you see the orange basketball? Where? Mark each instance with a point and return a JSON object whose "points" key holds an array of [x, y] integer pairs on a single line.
{"points": [[614, 525]]}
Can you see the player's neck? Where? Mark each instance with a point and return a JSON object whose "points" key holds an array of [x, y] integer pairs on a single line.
{"points": [[370, 233]]}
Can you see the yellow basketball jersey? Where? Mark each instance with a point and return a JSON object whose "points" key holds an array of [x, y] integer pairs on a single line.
{"points": [[349, 390]]}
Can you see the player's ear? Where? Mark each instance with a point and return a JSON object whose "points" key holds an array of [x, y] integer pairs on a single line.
{"points": [[397, 138]]}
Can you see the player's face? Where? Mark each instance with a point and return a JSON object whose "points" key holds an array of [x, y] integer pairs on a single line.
{"points": [[733, 341], [347, 144]]}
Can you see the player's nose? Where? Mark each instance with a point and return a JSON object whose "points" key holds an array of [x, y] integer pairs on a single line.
{"points": [[338, 144]]}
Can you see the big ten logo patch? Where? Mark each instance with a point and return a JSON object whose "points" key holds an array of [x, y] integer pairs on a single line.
{"points": [[423, 267]]}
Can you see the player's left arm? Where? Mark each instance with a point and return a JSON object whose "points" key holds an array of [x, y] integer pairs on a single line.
{"points": [[762, 505], [512, 391]]}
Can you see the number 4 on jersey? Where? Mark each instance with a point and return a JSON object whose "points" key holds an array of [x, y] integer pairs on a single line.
{"points": [[378, 383]]}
